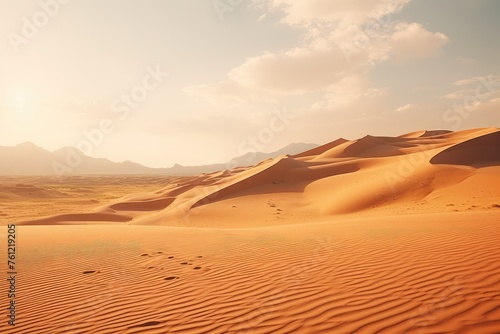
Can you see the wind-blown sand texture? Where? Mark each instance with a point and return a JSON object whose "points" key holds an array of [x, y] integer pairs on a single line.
{"points": [[379, 235]]}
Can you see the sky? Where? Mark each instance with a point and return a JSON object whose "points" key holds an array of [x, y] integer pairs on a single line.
{"points": [[195, 82]]}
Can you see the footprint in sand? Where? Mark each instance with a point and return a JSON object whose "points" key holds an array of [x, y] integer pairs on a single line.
{"points": [[171, 278], [197, 268], [146, 254], [146, 324], [87, 272]]}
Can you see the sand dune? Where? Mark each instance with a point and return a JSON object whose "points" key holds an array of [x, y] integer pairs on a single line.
{"points": [[377, 235], [412, 173], [321, 149], [476, 152], [30, 197], [28, 191], [425, 133], [146, 205]]}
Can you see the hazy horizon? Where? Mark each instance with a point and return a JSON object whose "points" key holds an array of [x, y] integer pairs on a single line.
{"points": [[196, 83], [29, 149]]}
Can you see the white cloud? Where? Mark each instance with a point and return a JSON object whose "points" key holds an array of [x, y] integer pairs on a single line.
{"points": [[354, 93], [342, 42], [335, 51], [477, 79], [405, 108], [353, 11], [460, 94], [413, 41], [481, 88], [297, 71]]}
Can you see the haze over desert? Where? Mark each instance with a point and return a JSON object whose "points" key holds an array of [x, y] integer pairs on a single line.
{"points": [[257, 167]]}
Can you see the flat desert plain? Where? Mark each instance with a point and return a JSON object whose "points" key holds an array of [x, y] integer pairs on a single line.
{"points": [[376, 235]]}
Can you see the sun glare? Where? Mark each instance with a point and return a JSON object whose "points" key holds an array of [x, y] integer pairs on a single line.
{"points": [[20, 100], [20, 107]]}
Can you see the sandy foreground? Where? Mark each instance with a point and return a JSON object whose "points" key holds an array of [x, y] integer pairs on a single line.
{"points": [[379, 235]]}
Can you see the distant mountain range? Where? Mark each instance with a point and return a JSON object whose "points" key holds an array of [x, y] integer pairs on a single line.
{"points": [[29, 159]]}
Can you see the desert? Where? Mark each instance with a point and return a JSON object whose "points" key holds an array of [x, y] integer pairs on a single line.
{"points": [[258, 167], [343, 238]]}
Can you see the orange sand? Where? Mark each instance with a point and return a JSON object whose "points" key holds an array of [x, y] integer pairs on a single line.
{"points": [[378, 235]]}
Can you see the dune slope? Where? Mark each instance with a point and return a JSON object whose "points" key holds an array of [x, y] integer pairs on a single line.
{"points": [[377, 235], [421, 172]]}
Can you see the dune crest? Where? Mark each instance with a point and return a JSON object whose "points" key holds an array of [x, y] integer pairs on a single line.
{"points": [[375, 235], [418, 172], [480, 151]]}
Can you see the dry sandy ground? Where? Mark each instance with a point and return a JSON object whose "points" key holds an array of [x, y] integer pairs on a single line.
{"points": [[425, 274], [31, 197], [378, 235]]}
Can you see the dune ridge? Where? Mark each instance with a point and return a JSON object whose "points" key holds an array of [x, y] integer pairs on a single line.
{"points": [[412, 173], [376, 235]]}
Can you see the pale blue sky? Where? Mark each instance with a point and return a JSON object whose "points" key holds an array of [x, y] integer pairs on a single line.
{"points": [[410, 63]]}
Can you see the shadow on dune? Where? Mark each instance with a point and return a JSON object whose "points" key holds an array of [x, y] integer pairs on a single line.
{"points": [[478, 152]]}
